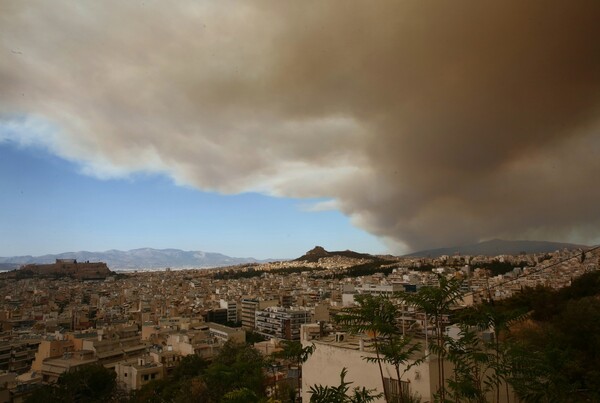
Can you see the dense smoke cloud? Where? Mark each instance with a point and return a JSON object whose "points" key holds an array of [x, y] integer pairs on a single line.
{"points": [[429, 123]]}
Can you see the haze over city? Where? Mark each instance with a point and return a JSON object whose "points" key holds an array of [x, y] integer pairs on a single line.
{"points": [[262, 129]]}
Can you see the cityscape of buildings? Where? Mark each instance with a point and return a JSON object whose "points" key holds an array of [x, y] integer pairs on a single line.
{"points": [[55, 318]]}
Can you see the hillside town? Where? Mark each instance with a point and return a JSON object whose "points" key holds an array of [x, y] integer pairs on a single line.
{"points": [[56, 318]]}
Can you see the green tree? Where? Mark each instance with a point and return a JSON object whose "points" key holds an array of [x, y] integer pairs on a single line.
{"points": [[184, 384], [88, 383], [375, 316], [243, 395], [538, 376], [498, 317], [399, 351], [436, 303], [190, 366], [339, 394], [45, 394], [294, 352], [473, 374], [237, 366]]}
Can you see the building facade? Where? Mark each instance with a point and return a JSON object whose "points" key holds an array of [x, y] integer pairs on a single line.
{"points": [[283, 323]]}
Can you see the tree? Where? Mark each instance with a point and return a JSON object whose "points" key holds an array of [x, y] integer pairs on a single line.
{"points": [[339, 394], [294, 352], [436, 302], [88, 383], [498, 317], [374, 315], [237, 366], [242, 395], [399, 351], [185, 384], [190, 366], [473, 373], [538, 375]]}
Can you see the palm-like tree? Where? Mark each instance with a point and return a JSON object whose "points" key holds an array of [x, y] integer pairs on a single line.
{"points": [[375, 316], [436, 303], [398, 351], [499, 321], [339, 394], [473, 367], [294, 352]]}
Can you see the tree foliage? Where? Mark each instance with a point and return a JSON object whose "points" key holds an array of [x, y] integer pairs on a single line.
{"points": [[342, 392], [236, 372], [294, 352], [88, 383], [436, 303], [237, 366]]}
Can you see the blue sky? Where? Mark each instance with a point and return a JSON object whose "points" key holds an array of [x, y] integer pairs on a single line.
{"points": [[48, 206]]}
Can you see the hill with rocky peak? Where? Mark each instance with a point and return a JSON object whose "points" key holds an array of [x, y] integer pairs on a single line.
{"points": [[318, 252]]}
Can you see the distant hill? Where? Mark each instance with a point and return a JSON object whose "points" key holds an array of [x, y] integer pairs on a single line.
{"points": [[66, 268], [9, 266], [145, 258], [498, 247], [318, 252]]}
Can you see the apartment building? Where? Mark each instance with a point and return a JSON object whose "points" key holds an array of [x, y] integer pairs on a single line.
{"points": [[113, 345], [341, 350], [226, 333], [51, 349], [135, 373], [53, 368], [279, 322], [387, 290], [232, 310], [249, 308], [17, 356]]}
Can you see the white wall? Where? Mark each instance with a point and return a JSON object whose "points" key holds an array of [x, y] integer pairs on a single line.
{"points": [[325, 364]]}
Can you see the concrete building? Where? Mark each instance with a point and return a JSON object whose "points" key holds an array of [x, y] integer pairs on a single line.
{"points": [[199, 342], [380, 289], [340, 350], [51, 349], [135, 373], [283, 323], [232, 310], [249, 308], [166, 356], [113, 345], [218, 315], [52, 368], [17, 356], [226, 333], [321, 313]]}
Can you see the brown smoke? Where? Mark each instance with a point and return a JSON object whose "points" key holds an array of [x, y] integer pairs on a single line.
{"points": [[431, 123]]}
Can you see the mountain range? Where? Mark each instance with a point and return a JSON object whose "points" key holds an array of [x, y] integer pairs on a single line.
{"points": [[144, 258], [497, 247], [148, 258]]}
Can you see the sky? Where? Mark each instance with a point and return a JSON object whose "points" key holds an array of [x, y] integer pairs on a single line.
{"points": [[265, 128]]}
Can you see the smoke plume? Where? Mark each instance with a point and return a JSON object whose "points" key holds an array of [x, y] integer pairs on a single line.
{"points": [[428, 123]]}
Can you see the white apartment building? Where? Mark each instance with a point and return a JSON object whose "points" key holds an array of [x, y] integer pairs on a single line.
{"points": [[283, 323], [232, 309], [249, 308]]}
